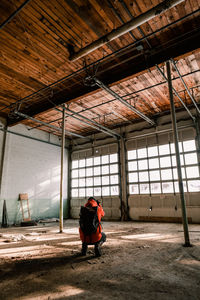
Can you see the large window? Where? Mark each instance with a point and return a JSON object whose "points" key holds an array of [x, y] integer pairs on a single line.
{"points": [[95, 176], [152, 170]]}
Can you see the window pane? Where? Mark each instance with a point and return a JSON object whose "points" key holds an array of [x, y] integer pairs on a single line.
{"points": [[142, 164], [172, 146], [167, 187], [74, 192], [154, 175], [177, 187], [81, 172], [74, 182], [81, 182], [89, 162], [133, 177], [81, 163], [105, 191], [114, 169], [164, 149], [97, 191], [166, 174], [89, 181], [89, 172], [175, 174], [97, 170], [97, 180], [192, 172], [133, 189], [74, 173], [144, 188], [132, 165], [105, 159], [143, 176], [153, 151], [189, 145], [74, 164], [105, 169], [89, 192], [113, 158], [174, 160], [132, 154], [165, 162], [96, 160], [114, 179], [105, 180], [153, 163], [155, 188], [194, 185], [142, 153], [114, 190], [190, 158], [81, 192]]}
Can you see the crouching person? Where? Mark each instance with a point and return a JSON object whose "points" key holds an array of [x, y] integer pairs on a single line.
{"points": [[90, 226]]}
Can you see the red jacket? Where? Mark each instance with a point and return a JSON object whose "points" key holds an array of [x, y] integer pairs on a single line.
{"points": [[94, 237]]}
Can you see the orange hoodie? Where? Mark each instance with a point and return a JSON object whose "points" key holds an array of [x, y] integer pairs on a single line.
{"points": [[94, 237]]}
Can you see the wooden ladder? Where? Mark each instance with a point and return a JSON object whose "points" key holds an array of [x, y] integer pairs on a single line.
{"points": [[24, 201]]}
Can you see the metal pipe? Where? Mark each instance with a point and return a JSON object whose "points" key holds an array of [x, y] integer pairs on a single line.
{"points": [[123, 180], [2, 157], [14, 14], [141, 19], [124, 96], [156, 132], [61, 169], [177, 95], [180, 179], [96, 125], [25, 99], [29, 137], [111, 92], [46, 124], [188, 91]]}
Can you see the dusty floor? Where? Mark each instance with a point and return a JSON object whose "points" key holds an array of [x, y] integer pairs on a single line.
{"points": [[139, 261]]}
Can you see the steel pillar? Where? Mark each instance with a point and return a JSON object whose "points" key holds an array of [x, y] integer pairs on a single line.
{"points": [[61, 169], [123, 180], [180, 180]]}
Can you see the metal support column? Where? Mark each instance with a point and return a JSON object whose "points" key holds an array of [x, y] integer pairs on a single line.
{"points": [[180, 180], [61, 167], [2, 158], [123, 180], [197, 139]]}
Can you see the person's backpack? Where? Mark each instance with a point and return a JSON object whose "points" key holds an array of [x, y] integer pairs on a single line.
{"points": [[89, 221]]}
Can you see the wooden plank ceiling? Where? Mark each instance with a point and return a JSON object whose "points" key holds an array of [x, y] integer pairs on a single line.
{"points": [[36, 75]]}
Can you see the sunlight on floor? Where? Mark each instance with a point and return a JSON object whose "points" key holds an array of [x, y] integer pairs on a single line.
{"points": [[63, 291], [152, 236]]}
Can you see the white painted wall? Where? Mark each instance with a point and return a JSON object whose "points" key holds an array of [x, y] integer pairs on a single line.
{"points": [[32, 167]]}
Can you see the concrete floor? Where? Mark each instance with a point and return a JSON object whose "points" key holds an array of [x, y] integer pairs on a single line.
{"points": [[139, 261]]}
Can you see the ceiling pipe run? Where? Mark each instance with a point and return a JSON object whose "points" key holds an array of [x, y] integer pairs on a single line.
{"points": [[187, 89], [131, 107], [95, 124], [14, 14], [47, 125], [134, 23]]}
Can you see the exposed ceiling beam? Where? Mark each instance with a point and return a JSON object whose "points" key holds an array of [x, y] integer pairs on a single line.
{"points": [[14, 14], [188, 91], [180, 46], [177, 95], [118, 97], [94, 124], [134, 23], [47, 125]]}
